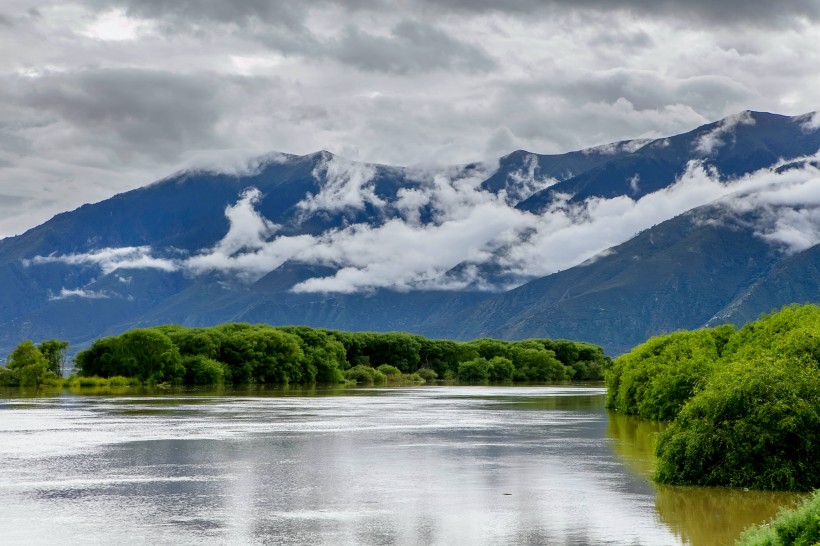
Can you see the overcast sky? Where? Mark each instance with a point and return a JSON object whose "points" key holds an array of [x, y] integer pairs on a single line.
{"points": [[100, 96]]}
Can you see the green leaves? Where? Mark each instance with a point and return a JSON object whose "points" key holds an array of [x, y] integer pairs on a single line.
{"points": [[744, 406]]}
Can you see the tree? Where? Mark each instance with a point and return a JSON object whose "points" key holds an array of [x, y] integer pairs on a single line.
{"points": [[29, 365], [54, 352]]}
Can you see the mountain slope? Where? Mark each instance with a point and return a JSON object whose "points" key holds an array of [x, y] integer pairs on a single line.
{"points": [[734, 146], [323, 241]]}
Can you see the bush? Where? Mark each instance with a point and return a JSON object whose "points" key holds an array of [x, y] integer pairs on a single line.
{"points": [[755, 424], [427, 374], [501, 370], [364, 375], [201, 370], [538, 365], [656, 378], [389, 371], [474, 371], [799, 527]]}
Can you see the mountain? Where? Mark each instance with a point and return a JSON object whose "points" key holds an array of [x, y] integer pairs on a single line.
{"points": [[734, 146], [705, 267], [609, 244]]}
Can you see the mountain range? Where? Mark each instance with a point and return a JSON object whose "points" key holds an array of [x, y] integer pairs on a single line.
{"points": [[609, 245]]}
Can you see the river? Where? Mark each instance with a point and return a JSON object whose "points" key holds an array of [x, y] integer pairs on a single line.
{"points": [[416, 465]]}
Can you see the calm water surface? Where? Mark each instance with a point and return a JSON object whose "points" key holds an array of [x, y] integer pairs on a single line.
{"points": [[437, 465]]}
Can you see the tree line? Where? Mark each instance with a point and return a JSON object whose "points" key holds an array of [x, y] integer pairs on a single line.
{"points": [[744, 405], [239, 354]]}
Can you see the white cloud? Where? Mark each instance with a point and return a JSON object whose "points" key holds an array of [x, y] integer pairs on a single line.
{"points": [[115, 25], [231, 162], [634, 183], [810, 122], [789, 206], [80, 293], [523, 183], [714, 139], [471, 228], [345, 185], [83, 118], [613, 148], [110, 259]]}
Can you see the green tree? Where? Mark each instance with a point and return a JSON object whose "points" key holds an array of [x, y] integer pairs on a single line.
{"points": [[474, 371], [54, 352], [28, 365]]}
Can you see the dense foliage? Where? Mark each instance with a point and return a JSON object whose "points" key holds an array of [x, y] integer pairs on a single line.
{"points": [[656, 378], [744, 405], [796, 527], [34, 365], [245, 353]]}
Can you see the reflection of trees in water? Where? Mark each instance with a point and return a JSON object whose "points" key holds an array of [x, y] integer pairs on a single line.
{"points": [[703, 516], [699, 516], [634, 441]]}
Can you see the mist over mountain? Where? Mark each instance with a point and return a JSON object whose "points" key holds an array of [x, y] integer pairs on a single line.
{"points": [[608, 245]]}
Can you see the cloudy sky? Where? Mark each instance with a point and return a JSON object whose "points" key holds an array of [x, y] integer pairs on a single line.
{"points": [[99, 96]]}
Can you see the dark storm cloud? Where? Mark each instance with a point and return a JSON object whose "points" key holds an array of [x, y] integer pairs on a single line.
{"points": [[5, 21], [132, 110], [412, 47], [287, 12], [759, 12]]}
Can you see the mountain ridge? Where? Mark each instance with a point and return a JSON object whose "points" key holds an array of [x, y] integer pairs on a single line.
{"points": [[324, 241]]}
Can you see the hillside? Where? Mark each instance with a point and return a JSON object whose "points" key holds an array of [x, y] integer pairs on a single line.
{"points": [[609, 245]]}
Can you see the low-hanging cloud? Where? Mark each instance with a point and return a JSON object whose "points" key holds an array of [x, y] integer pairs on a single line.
{"points": [[110, 259], [714, 139], [80, 293], [344, 185], [467, 228]]}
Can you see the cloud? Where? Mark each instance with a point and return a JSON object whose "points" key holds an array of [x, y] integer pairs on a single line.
{"points": [[110, 259], [412, 46], [521, 184], [344, 185], [728, 12], [466, 229], [708, 142], [130, 110], [788, 204], [810, 122], [84, 115], [80, 293]]}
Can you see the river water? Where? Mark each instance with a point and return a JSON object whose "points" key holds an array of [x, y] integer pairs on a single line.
{"points": [[418, 465]]}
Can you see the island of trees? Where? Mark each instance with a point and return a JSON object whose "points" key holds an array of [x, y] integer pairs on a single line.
{"points": [[744, 405], [240, 354]]}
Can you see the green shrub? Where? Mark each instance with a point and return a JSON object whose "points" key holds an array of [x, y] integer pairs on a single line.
{"points": [[655, 379], [201, 370], [428, 375], [501, 370], [792, 527], [389, 371], [474, 371], [537, 365], [364, 375], [414, 378], [756, 424]]}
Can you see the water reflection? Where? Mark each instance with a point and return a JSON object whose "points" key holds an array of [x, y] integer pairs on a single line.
{"points": [[699, 516], [438, 465]]}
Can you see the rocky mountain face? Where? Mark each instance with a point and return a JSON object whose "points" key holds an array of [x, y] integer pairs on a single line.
{"points": [[609, 245]]}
